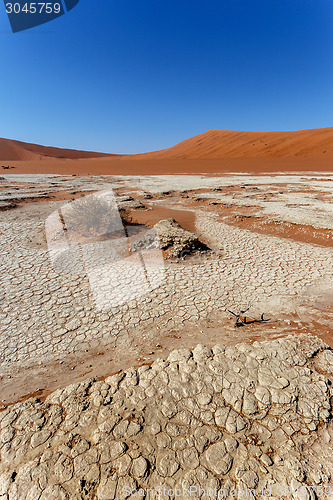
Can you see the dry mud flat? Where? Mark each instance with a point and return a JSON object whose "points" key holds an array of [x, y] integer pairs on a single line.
{"points": [[237, 417], [247, 421], [52, 333]]}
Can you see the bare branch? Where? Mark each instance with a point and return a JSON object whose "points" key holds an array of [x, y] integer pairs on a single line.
{"points": [[243, 321]]}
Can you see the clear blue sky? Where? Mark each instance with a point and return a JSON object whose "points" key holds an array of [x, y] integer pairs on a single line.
{"points": [[131, 76]]}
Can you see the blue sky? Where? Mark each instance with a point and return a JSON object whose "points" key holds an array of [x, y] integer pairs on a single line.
{"points": [[134, 76]]}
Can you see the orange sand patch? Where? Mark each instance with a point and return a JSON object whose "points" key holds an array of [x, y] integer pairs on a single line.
{"points": [[107, 166], [185, 219], [297, 232]]}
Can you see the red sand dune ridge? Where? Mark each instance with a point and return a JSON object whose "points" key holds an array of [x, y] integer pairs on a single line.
{"points": [[11, 150], [215, 144]]}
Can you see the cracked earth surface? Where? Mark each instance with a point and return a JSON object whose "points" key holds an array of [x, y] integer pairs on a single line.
{"points": [[48, 314], [225, 422], [231, 418]]}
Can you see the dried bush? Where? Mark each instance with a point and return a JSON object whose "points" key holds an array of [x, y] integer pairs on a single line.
{"points": [[94, 215]]}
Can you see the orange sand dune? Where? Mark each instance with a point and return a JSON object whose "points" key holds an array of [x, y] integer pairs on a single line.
{"points": [[213, 144], [229, 144], [211, 152], [11, 150]]}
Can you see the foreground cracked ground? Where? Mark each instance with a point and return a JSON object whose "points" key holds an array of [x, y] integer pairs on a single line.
{"points": [[228, 422]]}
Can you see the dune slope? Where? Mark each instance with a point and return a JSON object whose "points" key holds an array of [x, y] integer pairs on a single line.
{"points": [[215, 144], [11, 150], [212, 151]]}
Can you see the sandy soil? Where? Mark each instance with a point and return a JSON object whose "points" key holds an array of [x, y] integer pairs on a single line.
{"points": [[125, 166]]}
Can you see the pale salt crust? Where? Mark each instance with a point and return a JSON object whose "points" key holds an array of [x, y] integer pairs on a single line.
{"points": [[46, 314]]}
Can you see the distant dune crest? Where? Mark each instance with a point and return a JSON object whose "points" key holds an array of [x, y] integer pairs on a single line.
{"points": [[22, 151], [213, 144]]}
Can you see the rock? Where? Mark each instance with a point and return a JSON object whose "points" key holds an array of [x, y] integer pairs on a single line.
{"points": [[204, 398], [221, 416], [173, 236], [231, 444], [125, 201], [188, 458], [64, 469], [7, 434], [5, 482], [235, 423], [155, 428], [300, 491], [123, 465], [263, 395], [7, 205], [107, 489], [201, 353]]}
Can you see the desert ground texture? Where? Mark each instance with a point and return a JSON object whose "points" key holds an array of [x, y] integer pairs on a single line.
{"points": [[231, 408], [167, 335]]}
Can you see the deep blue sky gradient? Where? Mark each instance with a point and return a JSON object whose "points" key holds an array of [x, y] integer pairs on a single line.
{"points": [[130, 76]]}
